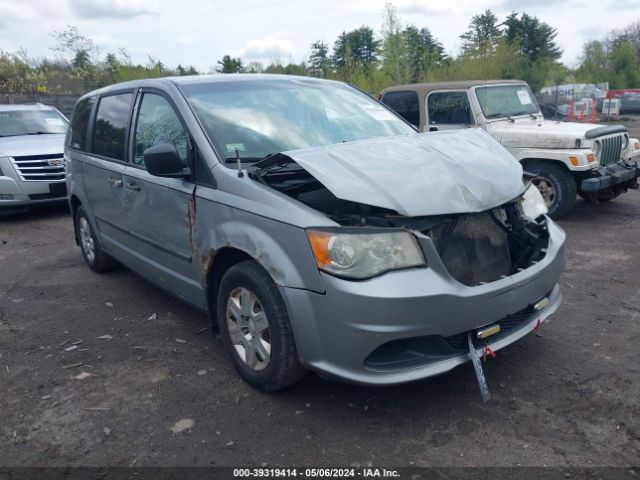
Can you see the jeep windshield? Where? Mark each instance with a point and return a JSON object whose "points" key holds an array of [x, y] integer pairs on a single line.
{"points": [[506, 101], [31, 122], [253, 119]]}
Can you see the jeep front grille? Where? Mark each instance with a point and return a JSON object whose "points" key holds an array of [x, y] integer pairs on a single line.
{"points": [[40, 168], [473, 248], [610, 150]]}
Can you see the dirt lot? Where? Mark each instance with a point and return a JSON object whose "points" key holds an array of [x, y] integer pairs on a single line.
{"points": [[567, 395]]}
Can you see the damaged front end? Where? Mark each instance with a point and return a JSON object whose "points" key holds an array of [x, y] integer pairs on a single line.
{"points": [[475, 248], [451, 242]]}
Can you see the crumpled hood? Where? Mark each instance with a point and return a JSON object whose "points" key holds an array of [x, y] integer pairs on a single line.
{"points": [[437, 173], [31, 145], [529, 133]]}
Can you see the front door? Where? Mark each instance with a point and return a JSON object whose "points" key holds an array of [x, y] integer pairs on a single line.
{"points": [[161, 211]]}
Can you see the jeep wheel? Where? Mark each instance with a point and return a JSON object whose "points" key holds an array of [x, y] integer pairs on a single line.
{"points": [[557, 186], [255, 329]]}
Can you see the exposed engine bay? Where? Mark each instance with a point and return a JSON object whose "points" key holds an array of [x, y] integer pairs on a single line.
{"points": [[476, 248]]}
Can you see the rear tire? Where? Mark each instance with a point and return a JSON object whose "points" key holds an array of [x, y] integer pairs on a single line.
{"points": [[557, 186], [255, 328], [92, 252]]}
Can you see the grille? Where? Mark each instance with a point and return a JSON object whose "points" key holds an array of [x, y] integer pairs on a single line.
{"points": [[39, 168], [473, 249], [611, 147]]}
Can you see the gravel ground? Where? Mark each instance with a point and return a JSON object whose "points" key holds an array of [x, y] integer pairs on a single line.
{"points": [[155, 389]]}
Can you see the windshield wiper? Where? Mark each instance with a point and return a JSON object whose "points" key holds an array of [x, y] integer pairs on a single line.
{"points": [[248, 159], [525, 113]]}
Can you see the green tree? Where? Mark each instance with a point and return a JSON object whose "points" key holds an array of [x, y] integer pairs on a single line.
{"points": [[394, 47], [112, 68], [319, 61], [534, 38], [421, 51], [357, 46], [625, 66], [594, 63], [481, 38], [230, 65]]}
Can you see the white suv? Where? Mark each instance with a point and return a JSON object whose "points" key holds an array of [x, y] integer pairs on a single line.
{"points": [[32, 166], [596, 162]]}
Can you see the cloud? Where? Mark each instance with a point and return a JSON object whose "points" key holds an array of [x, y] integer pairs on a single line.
{"points": [[418, 8], [92, 9], [591, 31], [268, 48], [624, 4], [524, 5]]}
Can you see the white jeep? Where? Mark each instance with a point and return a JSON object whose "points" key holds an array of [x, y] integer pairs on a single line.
{"points": [[596, 162]]}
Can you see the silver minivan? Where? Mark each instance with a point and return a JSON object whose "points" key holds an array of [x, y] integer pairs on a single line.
{"points": [[317, 228]]}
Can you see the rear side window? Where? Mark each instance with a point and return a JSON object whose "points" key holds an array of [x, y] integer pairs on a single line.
{"points": [[80, 124], [109, 130], [405, 104], [449, 108]]}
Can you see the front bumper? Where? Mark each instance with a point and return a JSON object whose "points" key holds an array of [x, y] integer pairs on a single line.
{"points": [[338, 332], [614, 175], [16, 194]]}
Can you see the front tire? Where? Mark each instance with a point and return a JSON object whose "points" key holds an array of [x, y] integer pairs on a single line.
{"points": [[255, 328], [92, 252], [557, 186]]}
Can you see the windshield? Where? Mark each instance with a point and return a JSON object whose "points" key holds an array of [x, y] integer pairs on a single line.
{"points": [[257, 118], [506, 101], [31, 122]]}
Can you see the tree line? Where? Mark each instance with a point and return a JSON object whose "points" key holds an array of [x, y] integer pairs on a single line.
{"points": [[517, 46]]}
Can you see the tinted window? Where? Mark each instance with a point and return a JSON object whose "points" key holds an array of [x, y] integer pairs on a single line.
{"points": [[158, 123], [110, 127], [80, 124], [405, 104], [449, 108]]}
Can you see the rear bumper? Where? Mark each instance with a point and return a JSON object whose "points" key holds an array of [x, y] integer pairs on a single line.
{"points": [[615, 175]]}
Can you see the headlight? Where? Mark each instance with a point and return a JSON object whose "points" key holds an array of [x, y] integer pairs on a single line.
{"points": [[364, 255], [533, 204]]}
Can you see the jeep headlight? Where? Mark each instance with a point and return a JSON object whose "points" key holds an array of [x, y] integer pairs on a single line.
{"points": [[363, 255], [532, 203]]}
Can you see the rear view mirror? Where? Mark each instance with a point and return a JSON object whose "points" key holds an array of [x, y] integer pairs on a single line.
{"points": [[163, 160]]}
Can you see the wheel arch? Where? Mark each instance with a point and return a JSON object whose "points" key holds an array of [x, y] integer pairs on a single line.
{"points": [[217, 265]]}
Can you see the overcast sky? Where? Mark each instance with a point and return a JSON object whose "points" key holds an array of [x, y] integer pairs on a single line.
{"points": [[200, 32]]}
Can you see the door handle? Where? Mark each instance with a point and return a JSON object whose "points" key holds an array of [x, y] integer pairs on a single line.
{"points": [[115, 182], [134, 187]]}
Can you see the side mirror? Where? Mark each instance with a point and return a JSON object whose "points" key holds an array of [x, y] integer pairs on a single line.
{"points": [[163, 160]]}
